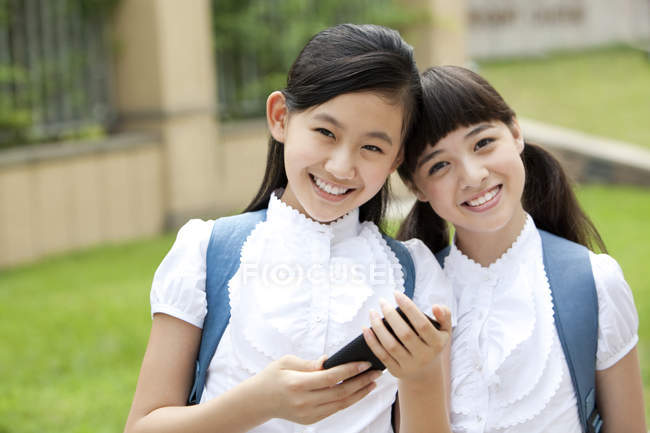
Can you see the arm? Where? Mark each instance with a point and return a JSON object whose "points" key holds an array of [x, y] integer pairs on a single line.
{"points": [[290, 388], [417, 408], [165, 380], [420, 360], [619, 396]]}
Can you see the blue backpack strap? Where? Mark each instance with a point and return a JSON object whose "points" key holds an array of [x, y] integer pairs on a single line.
{"points": [[406, 261], [575, 304], [442, 254], [222, 261]]}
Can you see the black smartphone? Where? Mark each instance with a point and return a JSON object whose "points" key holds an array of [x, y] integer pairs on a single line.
{"points": [[358, 350]]}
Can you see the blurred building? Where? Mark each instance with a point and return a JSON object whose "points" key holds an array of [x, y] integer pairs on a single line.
{"points": [[499, 28]]}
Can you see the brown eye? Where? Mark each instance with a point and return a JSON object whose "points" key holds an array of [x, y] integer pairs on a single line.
{"points": [[373, 148], [482, 143], [437, 167], [325, 132]]}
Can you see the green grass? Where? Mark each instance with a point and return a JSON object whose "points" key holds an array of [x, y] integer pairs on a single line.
{"points": [[74, 328], [604, 91], [73, 332], [621, 216]]}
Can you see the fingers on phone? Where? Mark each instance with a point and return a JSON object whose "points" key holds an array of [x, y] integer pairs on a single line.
{"points": [[356, 394], [346, 388], [443, 316], [421, 326], [330, 377], [292, 362], [379, 349]]}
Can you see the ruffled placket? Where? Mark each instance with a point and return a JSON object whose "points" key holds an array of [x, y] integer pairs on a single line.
{"points": [[305, 288]]}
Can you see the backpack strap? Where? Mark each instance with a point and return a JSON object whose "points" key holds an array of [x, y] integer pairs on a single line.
{"points": [[442, 255], [575, 303], [406, 261], [222, 261], [408, 269]]}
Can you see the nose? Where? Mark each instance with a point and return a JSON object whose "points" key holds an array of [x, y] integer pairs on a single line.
{"points": [[341, 164], [473, 173]]}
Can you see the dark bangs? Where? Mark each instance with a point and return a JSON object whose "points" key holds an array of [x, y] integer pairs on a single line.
{"points": [[452, 97]]}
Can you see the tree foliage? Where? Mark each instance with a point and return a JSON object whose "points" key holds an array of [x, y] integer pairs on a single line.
{"points": [[35, 75], [257, 40]]}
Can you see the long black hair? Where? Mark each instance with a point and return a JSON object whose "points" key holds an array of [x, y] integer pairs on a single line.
{"points": [[343, 59], [454, 97]]}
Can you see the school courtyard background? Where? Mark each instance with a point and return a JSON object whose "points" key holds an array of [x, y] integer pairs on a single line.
{"points": [[121, 119]]}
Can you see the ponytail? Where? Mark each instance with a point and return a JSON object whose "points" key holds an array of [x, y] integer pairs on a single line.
{"points": [[549, 198], [423, 223]]}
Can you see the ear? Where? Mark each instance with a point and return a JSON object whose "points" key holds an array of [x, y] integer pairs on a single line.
{"points": [[515, 129], [277, 115]]}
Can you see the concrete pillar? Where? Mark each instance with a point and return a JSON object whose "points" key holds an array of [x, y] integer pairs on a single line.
{"points": [[165, 83], [440, 39]]}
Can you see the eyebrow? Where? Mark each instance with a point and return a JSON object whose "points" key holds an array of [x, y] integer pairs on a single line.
{"points": [[373, 134], [480, 128], [427, 157]]}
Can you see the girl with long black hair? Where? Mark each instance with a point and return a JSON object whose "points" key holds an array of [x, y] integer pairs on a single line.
{"points": [[529, 294], [311, 270]]}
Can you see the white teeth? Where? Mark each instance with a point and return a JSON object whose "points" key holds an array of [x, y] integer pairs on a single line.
{"points": [[484, 198], [330, 188]]}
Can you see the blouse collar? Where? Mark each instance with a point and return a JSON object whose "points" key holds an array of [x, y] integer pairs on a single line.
{"points": [[459, 263], [282, 214]]}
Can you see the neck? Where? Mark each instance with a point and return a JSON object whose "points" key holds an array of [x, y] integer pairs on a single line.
{"points": [[486, 247]]}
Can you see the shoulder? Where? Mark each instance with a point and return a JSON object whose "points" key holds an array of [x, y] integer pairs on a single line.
{"points": [[194, 231], [178, 286], [618, 319], [191, 242], [607, 272]]}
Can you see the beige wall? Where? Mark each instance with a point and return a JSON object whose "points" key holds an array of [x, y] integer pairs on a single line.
{"points": [[165, 83], [61, 197], [439, 37]]}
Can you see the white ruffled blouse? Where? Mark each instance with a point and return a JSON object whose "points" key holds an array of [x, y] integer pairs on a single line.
{"points": [[302, 288], [509, 373]]}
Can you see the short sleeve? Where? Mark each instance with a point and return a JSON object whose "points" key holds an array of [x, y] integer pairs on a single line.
{"points": [[618, 320], [178, 287], [431, 284]]}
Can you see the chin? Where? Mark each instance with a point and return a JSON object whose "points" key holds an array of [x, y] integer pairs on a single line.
{"points": [[324, 217]]}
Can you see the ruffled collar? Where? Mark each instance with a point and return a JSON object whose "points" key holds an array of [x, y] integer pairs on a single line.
{"points": [[458, 263], [283, 215]]}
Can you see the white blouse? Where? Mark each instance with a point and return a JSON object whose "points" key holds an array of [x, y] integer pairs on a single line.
{"points": [[509, 373], [302, 288]]}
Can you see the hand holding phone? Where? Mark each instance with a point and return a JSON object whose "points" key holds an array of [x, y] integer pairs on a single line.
{"points": [[358, 350]]}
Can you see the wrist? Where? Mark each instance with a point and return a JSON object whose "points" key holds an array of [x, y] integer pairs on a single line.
{"points": [[260, 403], [431, 376]]}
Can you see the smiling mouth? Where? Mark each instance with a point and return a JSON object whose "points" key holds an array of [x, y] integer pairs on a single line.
{"points": [[484, 198], [328, 188]]}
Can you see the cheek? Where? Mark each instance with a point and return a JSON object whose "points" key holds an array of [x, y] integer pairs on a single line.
{"points": [[431, 189], [297, 157], [376, 173]]}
